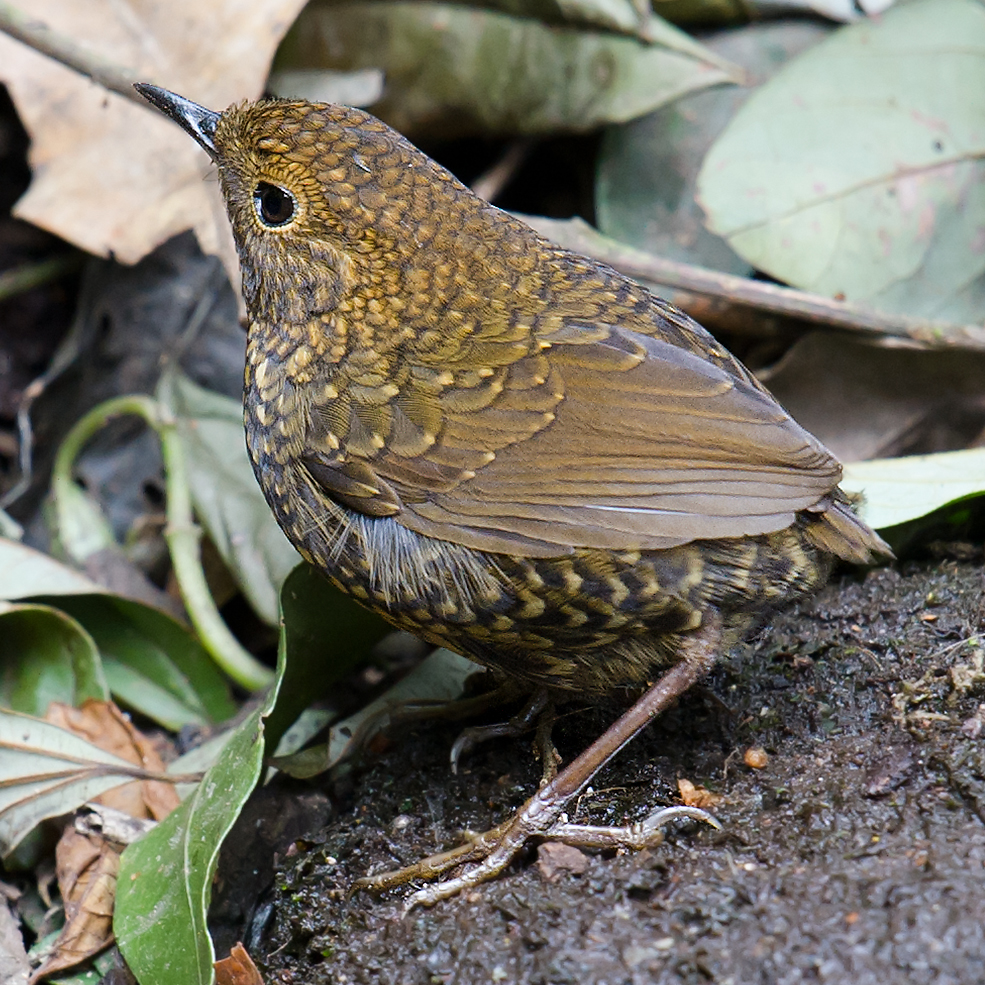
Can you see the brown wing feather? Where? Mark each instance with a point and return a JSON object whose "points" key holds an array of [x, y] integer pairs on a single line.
{"points": [[606, 440], [644, 452]]}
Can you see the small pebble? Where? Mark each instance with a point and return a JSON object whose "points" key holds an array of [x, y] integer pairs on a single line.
{"points": [[755, 757], [553, 859]]}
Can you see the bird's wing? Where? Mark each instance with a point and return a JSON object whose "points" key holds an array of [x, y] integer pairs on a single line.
{"points": [[603, 438]]}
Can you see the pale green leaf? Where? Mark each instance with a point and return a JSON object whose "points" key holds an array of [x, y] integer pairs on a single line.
{"points": [[46, 771], [859, 169], [227, 499], [895, 490], [647, 168], [454, 69], [25, 573], [438, 678]]}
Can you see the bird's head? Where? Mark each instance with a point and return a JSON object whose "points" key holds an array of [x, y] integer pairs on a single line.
{"points": [[321, 197]]}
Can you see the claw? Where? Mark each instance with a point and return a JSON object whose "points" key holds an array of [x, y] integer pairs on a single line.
{"points": [[647, 833]]}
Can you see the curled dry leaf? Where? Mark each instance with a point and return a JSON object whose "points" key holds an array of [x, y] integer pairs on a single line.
{"points": [[87, 867], [109, 176], [696, 796], [87, 863], [237, 969], [104, 725]]}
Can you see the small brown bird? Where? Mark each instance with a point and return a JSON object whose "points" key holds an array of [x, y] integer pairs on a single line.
{"points": [[501, 446]]}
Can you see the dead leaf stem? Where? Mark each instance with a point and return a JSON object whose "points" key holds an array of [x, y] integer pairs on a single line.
{"points": [[738, 293], [39, 36]]}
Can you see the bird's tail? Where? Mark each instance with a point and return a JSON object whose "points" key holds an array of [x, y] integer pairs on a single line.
{"points": [[833, 526]]}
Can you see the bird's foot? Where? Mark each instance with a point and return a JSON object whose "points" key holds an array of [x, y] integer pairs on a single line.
{"points": [[537, 713], [543, 815], [493, 850]]}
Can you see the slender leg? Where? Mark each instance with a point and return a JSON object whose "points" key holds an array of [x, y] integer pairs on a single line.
{"points": [[544, 745], [543, 814]]}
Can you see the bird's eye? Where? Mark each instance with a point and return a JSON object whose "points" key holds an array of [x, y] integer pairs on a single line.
{"points": [[275, 206]]}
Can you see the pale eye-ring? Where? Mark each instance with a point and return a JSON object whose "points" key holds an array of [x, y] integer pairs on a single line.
{"points": [[274, 205]]}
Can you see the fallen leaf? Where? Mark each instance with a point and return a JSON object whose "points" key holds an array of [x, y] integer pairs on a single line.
{"points": [[697, 796], [453, 69], [865, 401], [109, 176], [87, 867], [894, 490], [647, 169], [438, 678], [857, 169], [14, 965], [237, 969], [46, 771], [105, 726]]}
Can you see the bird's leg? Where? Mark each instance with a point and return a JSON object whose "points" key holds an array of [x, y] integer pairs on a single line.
{"points": [[523, 721], [543, 814], [544, 745]]}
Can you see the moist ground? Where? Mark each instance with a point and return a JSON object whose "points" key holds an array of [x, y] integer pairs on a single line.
{"points": [[855, 855]]}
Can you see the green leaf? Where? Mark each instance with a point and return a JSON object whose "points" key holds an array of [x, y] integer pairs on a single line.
{"points": [[46, 656], [895, 490], [622, 16], [859, 169], [440, 677], [46, 771], [453, 69], [165, 879], [152, 663], [647, 168], [25, 573], [708, 12], [325, 634], [227, 499], [81, 528]]}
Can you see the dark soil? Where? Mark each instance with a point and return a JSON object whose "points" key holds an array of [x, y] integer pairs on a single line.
{"points": [[856, 855]]}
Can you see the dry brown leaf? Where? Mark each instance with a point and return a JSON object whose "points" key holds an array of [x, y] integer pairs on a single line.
{"points": [[113, 177], [237, 969], [697, 796], [86, 867], [866, 401], [104, 725], [14, 965]]}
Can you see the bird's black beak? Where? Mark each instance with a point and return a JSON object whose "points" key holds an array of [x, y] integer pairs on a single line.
{"points": [[195, 120]]}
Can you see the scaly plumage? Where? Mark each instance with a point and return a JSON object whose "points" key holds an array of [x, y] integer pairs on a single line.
{"points": [[503, 447]]}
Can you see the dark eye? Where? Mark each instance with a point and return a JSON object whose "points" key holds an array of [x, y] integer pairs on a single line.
{"points": [[274, 206]]}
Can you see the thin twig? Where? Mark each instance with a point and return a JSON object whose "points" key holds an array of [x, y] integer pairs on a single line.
{"points": [[743, 292], [37, 35], [30, 275], [490, 184], [182, 534]]}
